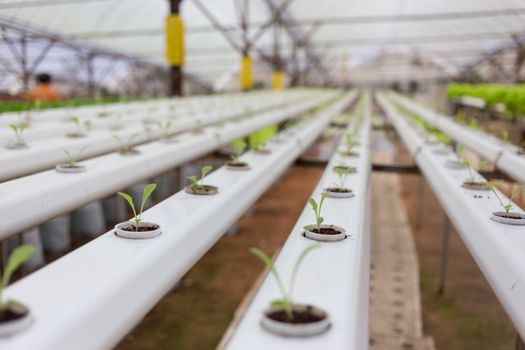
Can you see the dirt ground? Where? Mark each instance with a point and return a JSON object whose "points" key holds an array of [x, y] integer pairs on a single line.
{"points": [[195, 316], [468, 316]]}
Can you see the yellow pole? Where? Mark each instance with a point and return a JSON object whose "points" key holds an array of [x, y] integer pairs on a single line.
{"points": [[246, 74], [174, 50], [278, 80]]}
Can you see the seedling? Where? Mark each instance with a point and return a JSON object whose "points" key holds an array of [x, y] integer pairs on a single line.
{"points": [[198, 184], [148, 190], [460, 152], [127, 144], [473, 177], [118, 122], [72, 159], [507, 207], [18, 129], [317, 211], [199, 127], [80, 130], [165, 129], [16, 259], [505, 135], [342, 175], [238, 147], [286, 302]]}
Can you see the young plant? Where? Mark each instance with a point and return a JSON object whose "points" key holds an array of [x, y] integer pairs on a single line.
{"points": [[505, 135], [238, 147], [18, 129], [198, 184], [472, 172], [460, 152], [127, 144], [72, 159], [507, 207], [148, 190], [317, 211], [165, 129], [286, 302], [199, 127], [342, 175], [350, 143], [17, 258], [78, 125]]}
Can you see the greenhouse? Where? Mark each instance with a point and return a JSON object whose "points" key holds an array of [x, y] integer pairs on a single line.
{"points": [[262, 174]]}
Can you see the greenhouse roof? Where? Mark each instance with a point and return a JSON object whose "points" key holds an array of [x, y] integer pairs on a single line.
{"points": [[350, 36]]}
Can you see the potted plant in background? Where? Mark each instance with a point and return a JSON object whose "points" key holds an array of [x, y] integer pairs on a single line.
{"points": [[79, 129], [339, 190], [14, 316], [284, 316], [126, 146], [474, 182], [235, 163], [197, 186], [507, 216], [138, 229], [320, 231], [19, 142], [71, 166]]}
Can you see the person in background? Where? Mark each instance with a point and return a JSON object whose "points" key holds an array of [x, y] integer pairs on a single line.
{"points": [[43, 92]]}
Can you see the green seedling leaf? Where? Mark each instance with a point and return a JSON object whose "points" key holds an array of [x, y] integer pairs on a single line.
{"points": [[148, 190], [205, 170], [17, 258], [298, 263], [285, 303]]}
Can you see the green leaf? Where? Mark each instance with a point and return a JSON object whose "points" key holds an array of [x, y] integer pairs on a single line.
{"points": [[298, 263], [129, 199], [205, 170], [145, 195], [17, 258], [313, 204], [270, 266], [192, 178]]}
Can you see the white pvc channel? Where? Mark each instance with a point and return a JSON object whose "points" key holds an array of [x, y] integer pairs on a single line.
{"points": [[34, 199], [56, 128], [45, 154], [502, 155], [498, 249], [92, 297], [334, 278]]}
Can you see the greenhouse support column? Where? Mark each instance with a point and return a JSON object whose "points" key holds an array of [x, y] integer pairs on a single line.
{"points": [[277, 80], [246, 75], [175, 47]]}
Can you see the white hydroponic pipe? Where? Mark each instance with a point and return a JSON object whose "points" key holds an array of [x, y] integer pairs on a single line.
{"points": [[334, 278], [498, 249], [45, 154], [92, 297], [34, 199], [503, 156]]}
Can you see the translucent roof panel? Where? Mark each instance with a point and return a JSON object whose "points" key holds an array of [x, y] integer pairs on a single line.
{"points": [[351, 36]]}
